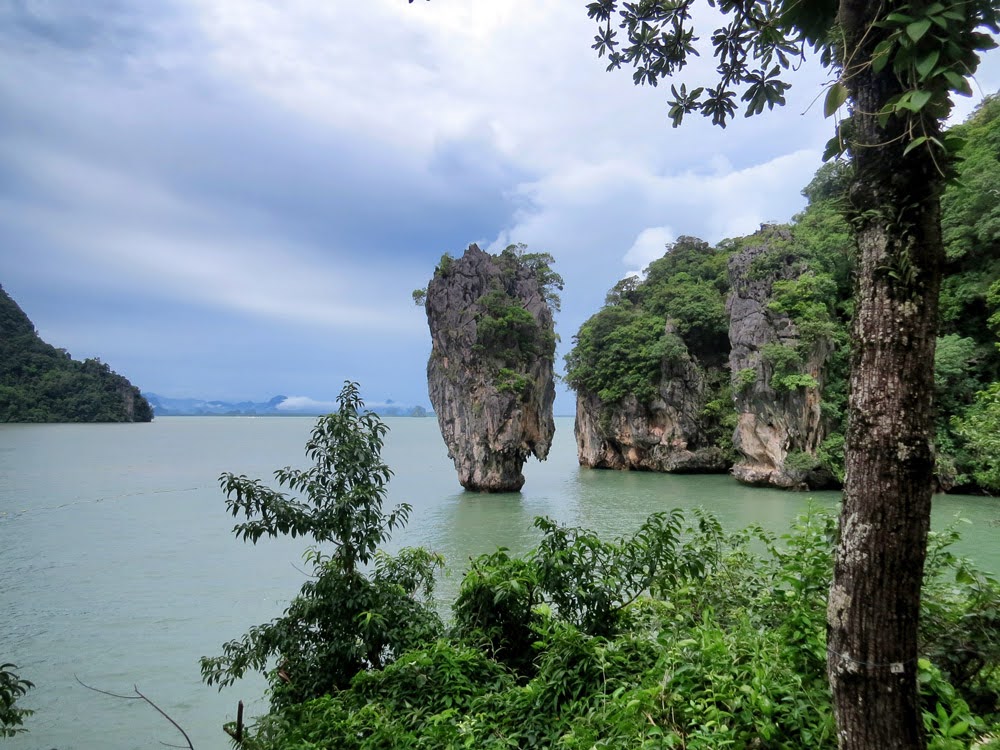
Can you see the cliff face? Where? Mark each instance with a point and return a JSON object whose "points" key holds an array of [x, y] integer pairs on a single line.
{"points": [[665, 434], [777, 377], [490, 371]]}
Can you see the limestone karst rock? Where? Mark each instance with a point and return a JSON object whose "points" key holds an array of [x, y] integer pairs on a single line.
{"points": [[490, 375], [665, 434], [645, 373], [779, 428]]}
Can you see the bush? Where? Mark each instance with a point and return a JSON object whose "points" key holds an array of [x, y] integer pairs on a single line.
{"points": [[683, 636]]}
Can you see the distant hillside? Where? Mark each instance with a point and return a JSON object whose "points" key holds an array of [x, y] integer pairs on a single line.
{"points": [[39, 383], [279, 406]]}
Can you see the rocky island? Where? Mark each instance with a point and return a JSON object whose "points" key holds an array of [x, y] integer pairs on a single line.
{"points": [[39, 383], [735, 357], [490, 372]]}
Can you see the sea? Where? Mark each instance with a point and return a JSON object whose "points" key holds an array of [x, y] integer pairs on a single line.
{"points": [[119, 569]]}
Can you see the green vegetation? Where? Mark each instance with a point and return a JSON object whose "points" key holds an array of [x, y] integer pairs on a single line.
{"points": [[681, 636], [12, 687], [620, 351], [344, 621], [675, 313], [39, 383]]}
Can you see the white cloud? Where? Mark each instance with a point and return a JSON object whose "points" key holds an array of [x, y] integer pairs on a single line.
{"points": [[304, 403], [648, 246]]}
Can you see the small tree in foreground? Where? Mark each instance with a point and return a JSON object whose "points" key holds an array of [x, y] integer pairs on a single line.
{"points": [[343, 620]]}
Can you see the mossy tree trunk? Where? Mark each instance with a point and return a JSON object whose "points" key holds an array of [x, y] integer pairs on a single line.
{"points": [[874, 601]]}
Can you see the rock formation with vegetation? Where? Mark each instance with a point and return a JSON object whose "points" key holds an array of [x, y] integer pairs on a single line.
{"points": [[39, 383], [490, 373], [649, 368]]}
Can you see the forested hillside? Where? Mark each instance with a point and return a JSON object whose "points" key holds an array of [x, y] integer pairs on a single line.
{"points": [[780, 413], [39, 383]]}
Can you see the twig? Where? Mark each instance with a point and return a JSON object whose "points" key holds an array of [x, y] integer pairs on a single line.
{"points": [[139, 696]]}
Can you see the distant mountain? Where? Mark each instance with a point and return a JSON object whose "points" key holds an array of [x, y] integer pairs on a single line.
{"points": [[279, 406], [39, 383]]}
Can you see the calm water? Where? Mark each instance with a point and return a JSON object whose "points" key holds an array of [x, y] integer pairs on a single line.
{"points": [[119, 565]]}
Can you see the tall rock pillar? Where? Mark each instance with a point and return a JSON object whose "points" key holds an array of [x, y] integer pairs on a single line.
{"points": [[489, 375]]}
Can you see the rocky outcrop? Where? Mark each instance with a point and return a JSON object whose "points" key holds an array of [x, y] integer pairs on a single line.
{"points": [[490, 374], [40, 383], [780, 424], [666, 434]]}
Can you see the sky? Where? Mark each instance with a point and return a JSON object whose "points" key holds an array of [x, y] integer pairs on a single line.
{"points": [[234, 199]]}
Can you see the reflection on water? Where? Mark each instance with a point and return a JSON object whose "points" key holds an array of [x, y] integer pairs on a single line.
{"points": [[120, 565]]}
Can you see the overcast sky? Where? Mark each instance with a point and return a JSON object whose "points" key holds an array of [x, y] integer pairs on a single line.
{"points": [[235, 198]]}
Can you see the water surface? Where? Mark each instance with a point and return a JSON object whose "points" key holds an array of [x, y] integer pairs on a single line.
{"points": [[120, 566]]}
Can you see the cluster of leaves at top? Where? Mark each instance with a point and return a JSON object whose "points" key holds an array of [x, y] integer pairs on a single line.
{"points": [[620, 350], [682, 635], [39, 383]]}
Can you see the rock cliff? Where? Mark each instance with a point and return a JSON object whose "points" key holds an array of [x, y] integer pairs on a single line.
{"points": [[652, 393], [777, 376], [666, 433], [490, 376]]}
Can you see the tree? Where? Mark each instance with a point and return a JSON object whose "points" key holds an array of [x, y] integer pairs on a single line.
{"points": [[342, 621], [897, 64]]}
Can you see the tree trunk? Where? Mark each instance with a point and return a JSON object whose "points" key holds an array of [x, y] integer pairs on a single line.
{"points": [[874, 603]]}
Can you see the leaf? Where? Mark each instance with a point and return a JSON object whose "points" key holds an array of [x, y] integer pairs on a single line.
{"points": [[835, 98], [914, 144], [958, 82], [881, 54], [914, 100], [959, 728], [926, 64], [917, 29]]}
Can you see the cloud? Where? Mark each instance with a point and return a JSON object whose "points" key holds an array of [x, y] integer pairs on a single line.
{"points": [[304, 403], [648, 246], [235, 198]]}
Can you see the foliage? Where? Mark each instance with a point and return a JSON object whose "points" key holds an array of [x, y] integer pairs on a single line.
{"points": [[39, 383], [979, 426], [508, 336], [540, 266], [342, 621], [507, 332], [12, 687], [725, 647], [619, 352], [675, 313]]}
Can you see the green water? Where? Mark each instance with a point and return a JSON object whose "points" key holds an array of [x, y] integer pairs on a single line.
{"points": [[119, 565]]}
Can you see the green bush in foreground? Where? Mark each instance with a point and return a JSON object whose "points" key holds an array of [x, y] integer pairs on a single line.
{"points": [[683, 636], [12, 687]]}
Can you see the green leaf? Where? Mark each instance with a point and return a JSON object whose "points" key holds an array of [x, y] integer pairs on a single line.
{"points": [[899, 18], [926, 64], [914, 144], [914, 100], [957, 729], [881, 54], [835, 98], [962, 575], [834, 147], [917, 29], [958, 82]]}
